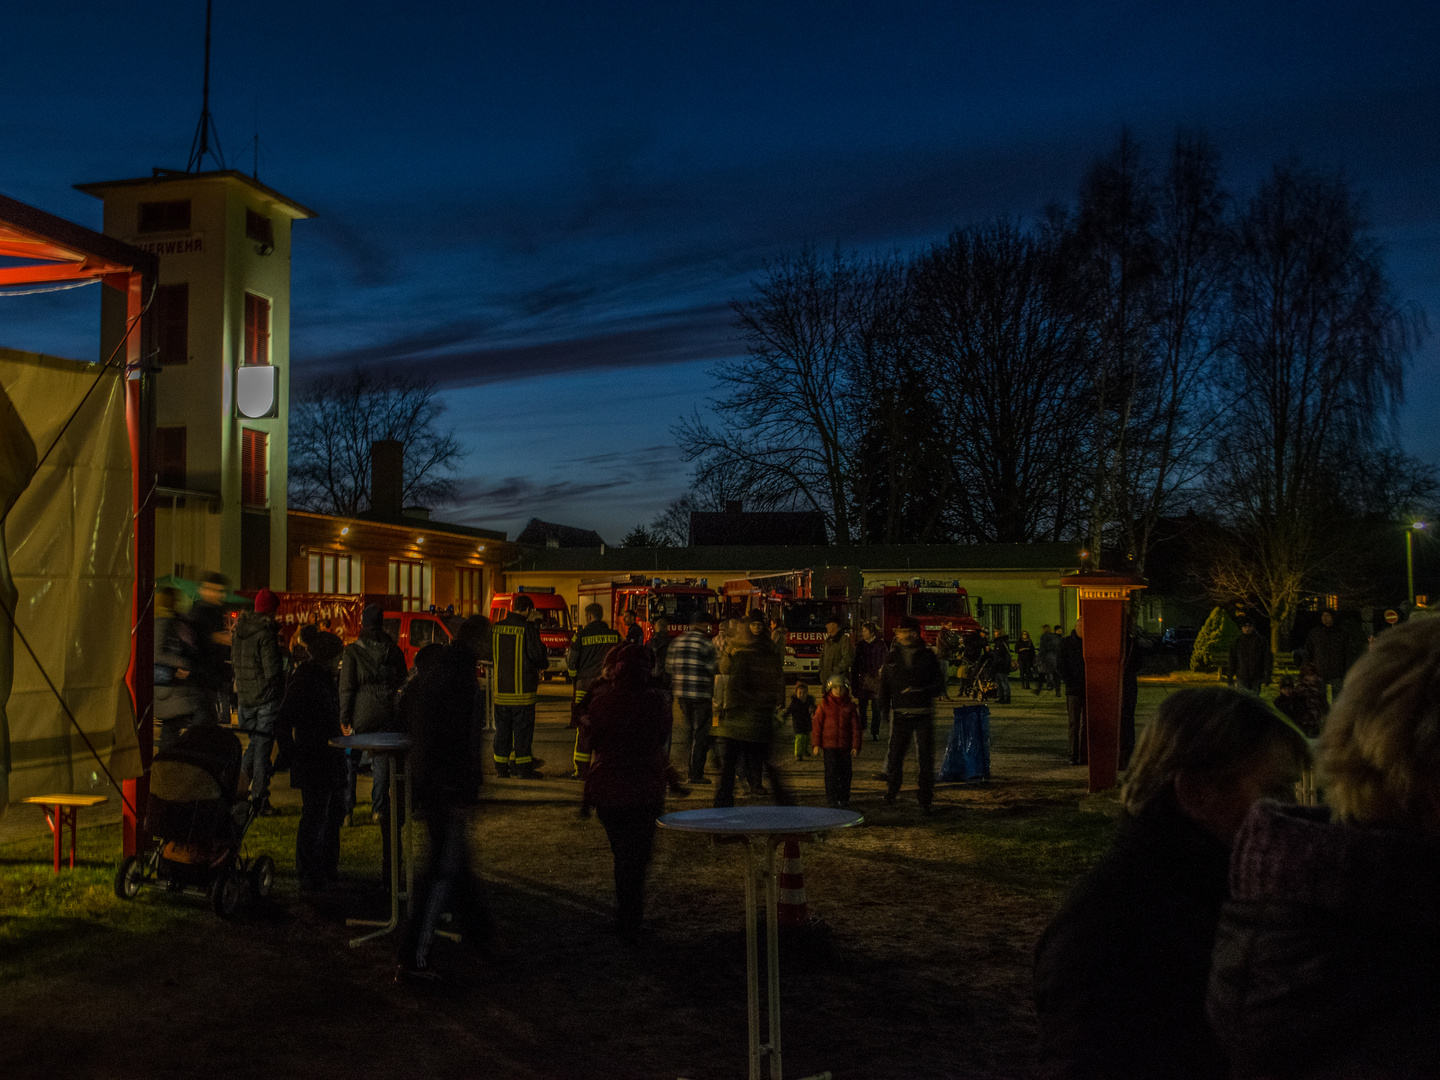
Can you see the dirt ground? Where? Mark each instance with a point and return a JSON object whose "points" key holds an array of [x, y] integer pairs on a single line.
{"points": [[923, 970]]}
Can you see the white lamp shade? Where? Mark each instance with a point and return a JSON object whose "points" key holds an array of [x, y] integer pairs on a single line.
{"points": [[255, 391]]}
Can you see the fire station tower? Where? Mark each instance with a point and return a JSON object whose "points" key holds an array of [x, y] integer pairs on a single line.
{"points": [[222, 314]]}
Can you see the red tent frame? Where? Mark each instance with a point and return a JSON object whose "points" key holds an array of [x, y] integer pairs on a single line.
{"points": [[56, 250]]}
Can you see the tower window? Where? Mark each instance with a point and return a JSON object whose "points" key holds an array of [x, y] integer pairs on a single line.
{"points": [[165, 216], [172, 322], [170, 457], [259, 228], [254, 450], [257, 330]]}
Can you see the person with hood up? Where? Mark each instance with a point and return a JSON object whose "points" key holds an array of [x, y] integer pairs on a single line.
{"points": [[838, 734], [1121, 971], [909, 684], [627, 717], [1327, 956], [372, 669], [309, 716], [259, 686]]}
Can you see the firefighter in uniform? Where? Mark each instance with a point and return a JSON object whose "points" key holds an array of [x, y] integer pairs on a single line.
{"points": [[519, 657], [585, 659]]}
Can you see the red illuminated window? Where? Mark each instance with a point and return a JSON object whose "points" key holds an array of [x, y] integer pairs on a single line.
{"points": [[257, 330], [172, 322], [170, 456], [254, 446]]}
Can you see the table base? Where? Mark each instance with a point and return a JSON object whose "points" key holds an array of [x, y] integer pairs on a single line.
{"points": [[398, 780]]}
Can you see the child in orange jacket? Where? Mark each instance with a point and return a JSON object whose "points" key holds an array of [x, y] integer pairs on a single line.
{"points": [[838, 732]]}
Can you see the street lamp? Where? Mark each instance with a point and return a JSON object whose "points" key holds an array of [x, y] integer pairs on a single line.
{"points": [[1410, 559]]}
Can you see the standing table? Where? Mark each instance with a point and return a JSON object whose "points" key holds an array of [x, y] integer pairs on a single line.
{"points": [[762, 828], [66, 811], [394, 746]]}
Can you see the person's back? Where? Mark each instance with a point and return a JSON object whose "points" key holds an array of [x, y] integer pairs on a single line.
{"points": [[1328, 648], [437, 713], [585, 658], [371, 672], [259, 677]]}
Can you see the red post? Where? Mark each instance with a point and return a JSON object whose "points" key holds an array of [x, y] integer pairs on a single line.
{"points": [[1103, 597]]}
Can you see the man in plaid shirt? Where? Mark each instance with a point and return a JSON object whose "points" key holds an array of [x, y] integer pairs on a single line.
{"points": [[690, 663]]}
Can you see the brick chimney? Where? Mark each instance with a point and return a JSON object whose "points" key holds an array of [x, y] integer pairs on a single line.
{"points": [[387, 478]]}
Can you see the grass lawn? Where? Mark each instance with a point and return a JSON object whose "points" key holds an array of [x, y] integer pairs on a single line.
{"points": [[924, 971]]}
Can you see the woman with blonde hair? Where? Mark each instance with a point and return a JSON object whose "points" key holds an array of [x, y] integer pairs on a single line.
{"points": [[1327, 958]]}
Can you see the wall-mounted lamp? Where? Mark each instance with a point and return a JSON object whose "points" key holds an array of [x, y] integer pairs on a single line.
{"points": [[420, 539], [256, 393], [345, 531], [480, 548]]}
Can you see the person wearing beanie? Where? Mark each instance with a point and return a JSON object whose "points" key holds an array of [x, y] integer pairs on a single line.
{"points": [[838, 733], [259, 688]]}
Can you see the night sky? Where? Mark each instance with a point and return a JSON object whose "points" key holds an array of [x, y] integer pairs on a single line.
{"points": [[549, 206]]}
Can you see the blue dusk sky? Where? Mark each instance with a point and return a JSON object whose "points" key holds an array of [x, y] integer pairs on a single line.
{"points": [[549, 206]]}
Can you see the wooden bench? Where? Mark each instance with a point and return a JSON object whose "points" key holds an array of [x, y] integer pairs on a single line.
{"points": [[66, 811]]}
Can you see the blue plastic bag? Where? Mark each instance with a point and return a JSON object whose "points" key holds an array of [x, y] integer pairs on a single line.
{"points": [[967, 751]]}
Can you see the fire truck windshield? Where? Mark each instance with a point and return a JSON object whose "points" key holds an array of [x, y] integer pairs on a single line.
{"points": [[939, 603], [679, 607], [554, 618], [804, 616]]}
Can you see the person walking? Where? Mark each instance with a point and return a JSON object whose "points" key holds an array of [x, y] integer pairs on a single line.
{"points": [[628, 720], [1025, 657], [1328, 648], [747, 718], [1250, 662], [909, 683], [174, 661], [837, 654], [865, 676], [372, 669], [445, 774], [838, 735], [259, 686], [690, 664], [1000, 663], [519, 658], [309, 717], [1047, 658], [1072, 674], [1121, 971], [585, 659], [211, 635], [800, 709]]}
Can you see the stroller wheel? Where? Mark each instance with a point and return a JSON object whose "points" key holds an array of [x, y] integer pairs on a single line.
{"points": [[262, 877], [128, 878], [225, 894]]}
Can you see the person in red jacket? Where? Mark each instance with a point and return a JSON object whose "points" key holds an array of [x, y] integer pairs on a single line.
{"points": [[627, 718], [837, 731]]}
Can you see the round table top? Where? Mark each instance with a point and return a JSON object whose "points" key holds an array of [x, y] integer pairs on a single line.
{"points": [[381, 742], [752, 820]]}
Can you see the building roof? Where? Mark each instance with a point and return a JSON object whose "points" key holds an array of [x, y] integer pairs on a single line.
{"points": [[174, 176], [408, 524], [548, 535], [742, 560], [757, 529]]}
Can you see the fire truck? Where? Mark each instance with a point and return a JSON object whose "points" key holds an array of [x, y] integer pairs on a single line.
{"points": [[556, 629], [648, 598], [789, 598], [937, 604]]}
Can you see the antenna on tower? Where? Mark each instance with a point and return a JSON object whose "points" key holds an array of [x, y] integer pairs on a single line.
{"points": [[200, 144]]}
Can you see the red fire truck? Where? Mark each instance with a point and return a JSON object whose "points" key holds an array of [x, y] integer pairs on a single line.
{"points": [[937, 604], [789, 598], [648, 598], [556, 629]]}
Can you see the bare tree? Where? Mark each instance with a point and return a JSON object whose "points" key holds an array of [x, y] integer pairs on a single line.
{"points": [[334, 421], [1315, 352]]}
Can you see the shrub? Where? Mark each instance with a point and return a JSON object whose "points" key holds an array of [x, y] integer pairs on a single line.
{"points": [[1212, 643]]}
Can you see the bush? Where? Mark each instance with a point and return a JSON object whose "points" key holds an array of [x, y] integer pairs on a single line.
{"points": [[1212, 643]]}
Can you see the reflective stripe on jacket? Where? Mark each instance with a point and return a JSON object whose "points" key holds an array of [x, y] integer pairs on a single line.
{"points": [[519, 656]]}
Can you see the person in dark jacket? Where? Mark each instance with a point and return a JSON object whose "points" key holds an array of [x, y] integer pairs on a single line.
{"points": [[1250, 661], [1072, 674], [209, 679], [519, 657], [837, 654], [800, 709], [1047, 657], [909, 683], [372, 669], [175, 695], [1025, 657], [309, 715], [259, 686], [628, 719], [1121, 971], [865, 676], [1327, 957], [1328, 648], [1001, 660], [444, 767], [630, 629], [746, 723], [585, 659]]}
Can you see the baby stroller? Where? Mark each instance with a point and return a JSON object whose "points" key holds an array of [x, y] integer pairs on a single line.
{"points": [[982, 679], [200, 824]]}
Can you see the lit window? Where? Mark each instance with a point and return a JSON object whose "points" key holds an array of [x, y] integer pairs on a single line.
{"points": [[411, 581], [469, 591], [335, 573]]}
